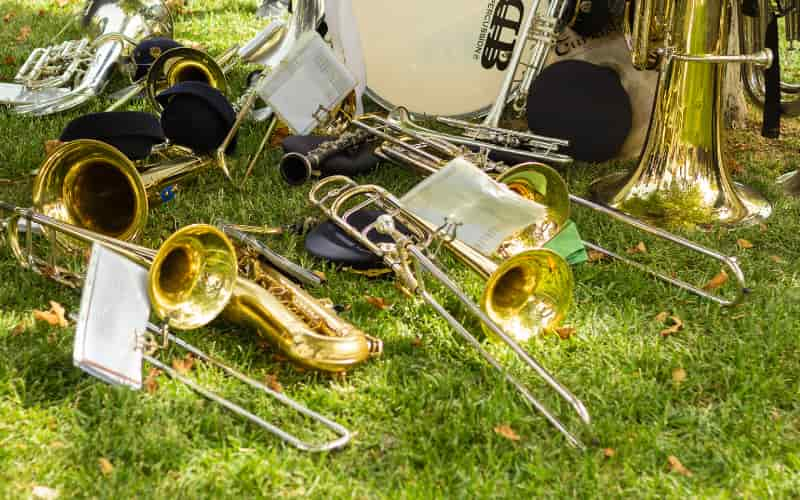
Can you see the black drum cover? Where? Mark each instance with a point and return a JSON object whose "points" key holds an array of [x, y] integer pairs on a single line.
{"points": [[583, 103]]}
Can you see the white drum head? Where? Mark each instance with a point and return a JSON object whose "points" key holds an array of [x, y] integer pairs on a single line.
{"points": [[431, 56]]}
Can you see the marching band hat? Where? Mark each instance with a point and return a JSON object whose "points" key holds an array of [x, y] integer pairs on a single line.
{"points": [[134, 133], [147, 51], [354, 161], [583, 103], [591, 17], [196, 115], [328, 242]]}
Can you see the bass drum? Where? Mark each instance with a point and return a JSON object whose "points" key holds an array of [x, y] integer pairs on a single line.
{"points": [[442, 57], [609, 49]]}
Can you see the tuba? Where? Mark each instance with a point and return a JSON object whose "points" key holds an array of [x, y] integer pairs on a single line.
{"points": [[63, 76], [681, 178]]}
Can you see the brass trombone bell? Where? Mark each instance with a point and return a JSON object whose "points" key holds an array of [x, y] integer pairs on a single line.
{"points": [[183, 64], [91, 184]]}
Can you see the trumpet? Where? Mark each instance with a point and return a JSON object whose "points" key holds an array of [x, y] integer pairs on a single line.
{"points": [[426, 155], [63, 76], [530, 291], [193, 278]]}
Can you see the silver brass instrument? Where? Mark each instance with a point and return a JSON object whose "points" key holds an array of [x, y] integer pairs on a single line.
{"points": [[681, 178], [68, 74], [426, 156], [751, 39], [192, 278], [526, 289]]}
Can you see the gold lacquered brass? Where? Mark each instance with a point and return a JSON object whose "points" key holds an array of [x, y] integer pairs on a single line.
{"points": [[681, 178], [183, 64], [93, 185]]}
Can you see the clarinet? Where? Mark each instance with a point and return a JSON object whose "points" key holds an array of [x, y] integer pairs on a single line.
{"points": [[297, 168]]}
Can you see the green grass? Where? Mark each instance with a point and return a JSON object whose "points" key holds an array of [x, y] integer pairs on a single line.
{"points": [[425, 412]]}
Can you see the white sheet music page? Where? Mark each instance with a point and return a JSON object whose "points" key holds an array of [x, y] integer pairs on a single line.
{"points": [[488, 211], [307, 85], [114, 311]]}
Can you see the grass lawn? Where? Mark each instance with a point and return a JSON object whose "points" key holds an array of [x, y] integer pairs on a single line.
{"points": [[720, 395]]}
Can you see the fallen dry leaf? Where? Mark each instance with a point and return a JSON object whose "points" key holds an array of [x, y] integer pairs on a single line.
{"points": [[595, 256], [507, 432], [675, 465], [41, 13], [106, 467], [278, 135], [321, 275], [9, 60], [183, 365], [662, 316], [417, 341], [19, 329], [9, 16], [565, 332], [150, 382], [44, 493], [55, 316], [271, 380], [24, 33], [639, 248], [609, 452], [51, 145], [744, 244], [378, 302], [678, 375], [677, 325], [717, 281], [777, 259]]}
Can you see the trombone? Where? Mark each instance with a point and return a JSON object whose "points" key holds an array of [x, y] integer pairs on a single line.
{"points": [[192, 278], [531, 288], [426, 155]]}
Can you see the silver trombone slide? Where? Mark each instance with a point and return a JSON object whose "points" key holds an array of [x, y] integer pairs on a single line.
{"points": [[730, 262]]}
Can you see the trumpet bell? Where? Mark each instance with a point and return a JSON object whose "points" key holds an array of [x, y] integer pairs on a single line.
{"points": [[192, 276], [183, 64], [528, 294], [92, 185]]}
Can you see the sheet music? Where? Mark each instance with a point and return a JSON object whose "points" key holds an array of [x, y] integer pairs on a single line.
{"points": [[309, 83], [114, 311], [488, 211]]}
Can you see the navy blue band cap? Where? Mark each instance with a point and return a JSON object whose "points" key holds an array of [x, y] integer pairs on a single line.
{"points": [[197, 116], [148, 51], [132, 132]]}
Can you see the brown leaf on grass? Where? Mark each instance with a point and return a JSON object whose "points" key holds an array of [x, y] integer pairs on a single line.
{"points": [[416, 341], [639, 248], [677, 325], [320, 275], [744, 244], [734, 166], [24, 33], [717, 281], [44, 492], [662, 316], [507, 432], [678, 375], [609, 452], [150, 382], [183, 365], [41, 13], [9, 60], [19, 329], [271, 381], [777, 259], [595, 256], [378, 302], [9, 16], [106, 467], [279, 358], [55, 316], [280, 133], [675, 465], [51, 145], [565, 332]]}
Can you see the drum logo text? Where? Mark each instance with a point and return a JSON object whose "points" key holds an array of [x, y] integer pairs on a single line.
{"points": [[499, 32]]}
